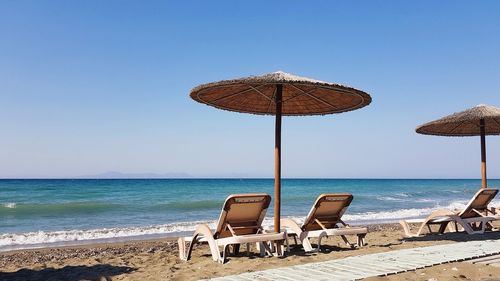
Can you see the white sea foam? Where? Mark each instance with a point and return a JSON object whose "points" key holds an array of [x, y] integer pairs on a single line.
{"points": [[44, 237], [405, 198], [390, 198], [48, 237], [425, 200], [403, 194], [9, 205]]}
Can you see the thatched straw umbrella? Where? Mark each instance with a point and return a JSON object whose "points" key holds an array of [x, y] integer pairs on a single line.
{"points": [[280, 94], [480, 120]]}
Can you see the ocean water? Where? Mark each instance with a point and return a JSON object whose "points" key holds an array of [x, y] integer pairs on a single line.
{"points": [[36, 213]]}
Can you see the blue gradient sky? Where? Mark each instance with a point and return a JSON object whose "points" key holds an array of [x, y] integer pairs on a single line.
{"points": [[93, 86]]}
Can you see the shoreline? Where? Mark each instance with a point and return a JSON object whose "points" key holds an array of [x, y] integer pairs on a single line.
{"points": [[167, 238], [157, 259], [140, 237], [131, 239], [88, 243]]}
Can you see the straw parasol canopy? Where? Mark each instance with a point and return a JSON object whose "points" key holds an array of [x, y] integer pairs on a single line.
{"points": [[279, 94], [300, 95], [480, 120]]}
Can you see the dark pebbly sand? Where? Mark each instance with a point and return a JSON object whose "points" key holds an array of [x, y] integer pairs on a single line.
{"points": [[158, 260]]}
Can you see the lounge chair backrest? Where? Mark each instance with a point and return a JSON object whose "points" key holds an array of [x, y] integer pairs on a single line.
{"points": [[243, 213], [328, 210], [479, 203]]}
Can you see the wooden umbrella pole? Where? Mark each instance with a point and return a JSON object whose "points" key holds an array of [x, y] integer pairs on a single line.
{"points": [[277, 158], [483, 153]]}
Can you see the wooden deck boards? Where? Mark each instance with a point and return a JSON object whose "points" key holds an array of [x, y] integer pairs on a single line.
{"points": [[490, 260], [381, 264]]}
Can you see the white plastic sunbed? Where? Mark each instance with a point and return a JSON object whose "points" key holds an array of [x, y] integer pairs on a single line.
{"points": [[475, 218], [324, 220], [240, 222]]}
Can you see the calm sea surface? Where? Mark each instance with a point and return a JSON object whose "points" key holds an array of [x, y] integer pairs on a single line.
{"points": [[51, 211]]}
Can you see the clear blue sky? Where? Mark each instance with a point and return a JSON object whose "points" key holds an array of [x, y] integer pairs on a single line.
{"points": [[93, 86]]}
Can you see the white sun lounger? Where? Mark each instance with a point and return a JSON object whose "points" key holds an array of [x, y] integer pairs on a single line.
{"points": [[324, 220], [475, 218], [239, 223]]}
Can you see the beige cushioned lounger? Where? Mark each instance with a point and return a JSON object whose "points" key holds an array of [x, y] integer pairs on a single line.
{"points": [[324, 220], [240, 222], [475, 218]]}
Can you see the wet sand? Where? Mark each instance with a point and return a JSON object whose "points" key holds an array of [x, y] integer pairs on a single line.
{"points": [[158, 260]]}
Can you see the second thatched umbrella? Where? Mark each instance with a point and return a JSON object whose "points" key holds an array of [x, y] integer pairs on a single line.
{"points": [[480, 120], [279, 94]]}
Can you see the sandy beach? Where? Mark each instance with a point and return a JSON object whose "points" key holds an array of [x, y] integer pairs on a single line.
{"points": [[157, 260]]}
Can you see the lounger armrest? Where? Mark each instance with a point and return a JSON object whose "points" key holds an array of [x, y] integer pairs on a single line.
{"points": [[478, 219], [202, 233], [414, 220], [287, 222], [442, 213], [252, 238], [346, 231], [291, 226]]}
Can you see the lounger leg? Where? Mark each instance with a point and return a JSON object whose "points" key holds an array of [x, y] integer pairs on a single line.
{"points": [[442, 227], [190, 249], [435, 214], [472, 226], [361, 240], [452, 227], [291, 224], [466, 226], [236, 249], [424, 224], [287, 243], [305, 242], [483, 226], [272, 246], [267, 247], [260, 248], [429, 227], [181, 243], [204, 230], [225, 251], [279, 248], [320, 237], [406, 228], [346, 241]]}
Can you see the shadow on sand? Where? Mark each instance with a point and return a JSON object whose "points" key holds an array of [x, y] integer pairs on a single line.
{"points": [[71, 273], [295, 250], [457, 237]]}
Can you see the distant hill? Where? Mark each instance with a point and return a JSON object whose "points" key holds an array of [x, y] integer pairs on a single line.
{"points": [[120, 175]]}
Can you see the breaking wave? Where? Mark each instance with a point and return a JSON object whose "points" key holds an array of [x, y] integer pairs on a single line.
{"points": [[46, 238], [9, 205]]}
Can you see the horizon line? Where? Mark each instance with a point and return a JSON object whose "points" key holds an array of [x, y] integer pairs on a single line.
{"points": [[236, 178]]}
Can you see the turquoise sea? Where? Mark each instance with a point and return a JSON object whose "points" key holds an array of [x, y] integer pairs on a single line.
{"points": [[42, 212]]}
